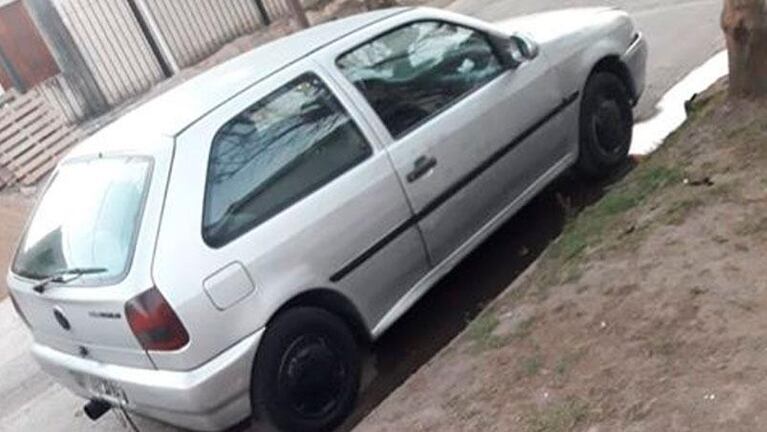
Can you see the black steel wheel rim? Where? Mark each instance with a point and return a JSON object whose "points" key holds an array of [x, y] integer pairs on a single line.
{"points": [[608, 125], [313, 377]]}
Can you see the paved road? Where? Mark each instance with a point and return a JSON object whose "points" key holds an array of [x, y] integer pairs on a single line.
{"points": [[682, 33]]}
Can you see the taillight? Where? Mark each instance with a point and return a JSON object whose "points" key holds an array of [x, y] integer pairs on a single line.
{"points": [[154, 323], [18, 310]]}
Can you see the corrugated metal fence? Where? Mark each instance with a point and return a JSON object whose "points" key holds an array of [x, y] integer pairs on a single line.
{"points": [[110, 40], [112, 37], [198, 29]]}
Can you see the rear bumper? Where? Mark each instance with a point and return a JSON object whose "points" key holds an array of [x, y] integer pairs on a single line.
{"points": [[210, 398], [635, 59]]}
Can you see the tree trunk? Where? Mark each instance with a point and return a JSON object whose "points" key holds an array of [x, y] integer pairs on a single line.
{"points": [[745, 27]]}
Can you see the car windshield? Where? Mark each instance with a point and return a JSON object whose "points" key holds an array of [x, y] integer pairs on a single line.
{"points": [[87, 218]]}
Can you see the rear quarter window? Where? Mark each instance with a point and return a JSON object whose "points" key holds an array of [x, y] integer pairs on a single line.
{"points": [[275, 153]]}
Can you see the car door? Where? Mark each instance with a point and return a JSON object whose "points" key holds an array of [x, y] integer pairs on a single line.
{"points": [[293, 192], [467, 135]]}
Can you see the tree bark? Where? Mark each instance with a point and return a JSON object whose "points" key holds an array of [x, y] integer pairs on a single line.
{"points": [[745, 27]]}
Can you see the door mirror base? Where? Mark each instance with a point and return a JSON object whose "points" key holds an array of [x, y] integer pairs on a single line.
{"points": [[527, 47], [516, 49]]}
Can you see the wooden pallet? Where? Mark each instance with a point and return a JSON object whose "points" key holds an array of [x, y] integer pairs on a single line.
{"points": [[33, 137]]}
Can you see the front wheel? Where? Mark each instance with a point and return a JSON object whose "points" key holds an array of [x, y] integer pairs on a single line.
{"points": [[606, 125], [307, 372]]}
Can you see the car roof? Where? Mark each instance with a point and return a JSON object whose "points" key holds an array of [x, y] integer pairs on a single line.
{"points": [[170, 113]]}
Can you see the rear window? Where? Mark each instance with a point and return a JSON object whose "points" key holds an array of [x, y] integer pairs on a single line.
{"points": [[87, 218]]}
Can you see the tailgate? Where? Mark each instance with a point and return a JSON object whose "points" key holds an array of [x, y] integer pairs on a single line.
{"points": [[84, 322]]}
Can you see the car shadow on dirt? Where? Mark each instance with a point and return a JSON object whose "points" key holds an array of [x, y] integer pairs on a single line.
{"points": [[445, 311]]}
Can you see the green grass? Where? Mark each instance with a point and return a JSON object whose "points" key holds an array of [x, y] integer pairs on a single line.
{"points": [[530, 366], [566, 363], [562, 367], [603, 224], [594, 221], [559, 417], [524, 328], [480, 332]]}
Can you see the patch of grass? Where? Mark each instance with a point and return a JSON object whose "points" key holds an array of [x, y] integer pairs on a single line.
{"points": [[480, 333], [530, 366], [559, 417], [524, 328], [566, 363], [600, 225], [593, 222], [482, 327], [705, 104], [564, 273]]}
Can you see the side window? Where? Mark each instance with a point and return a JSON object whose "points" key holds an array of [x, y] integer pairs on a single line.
{"points": [[275, 153], [411, 73]]}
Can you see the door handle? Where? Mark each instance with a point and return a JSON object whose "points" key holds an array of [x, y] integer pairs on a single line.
{"points": [[422, 166]]}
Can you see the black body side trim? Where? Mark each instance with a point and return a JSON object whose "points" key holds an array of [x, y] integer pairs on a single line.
{"points": [[452, 190]]}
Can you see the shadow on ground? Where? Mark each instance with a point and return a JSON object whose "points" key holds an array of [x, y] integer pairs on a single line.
{"points": [[447, 309]]}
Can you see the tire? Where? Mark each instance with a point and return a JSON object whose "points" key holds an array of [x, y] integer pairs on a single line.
{"points": [[307, 372], [606, 125]]}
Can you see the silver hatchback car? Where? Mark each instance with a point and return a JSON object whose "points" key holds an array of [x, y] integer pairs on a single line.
{"points": [[224, 249]]}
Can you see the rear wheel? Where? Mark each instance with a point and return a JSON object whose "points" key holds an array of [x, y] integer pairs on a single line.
{"points": [[307, 372], [606, 125]]}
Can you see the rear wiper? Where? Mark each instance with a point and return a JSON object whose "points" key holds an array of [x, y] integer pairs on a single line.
{"points": [[60, 277]]}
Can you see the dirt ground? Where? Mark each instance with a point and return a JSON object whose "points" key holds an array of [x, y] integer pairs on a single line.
{"points": [[14, 207], [645, 315]]}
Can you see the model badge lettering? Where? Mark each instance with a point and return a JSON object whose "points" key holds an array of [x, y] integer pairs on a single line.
{"points": [[105, 315]]}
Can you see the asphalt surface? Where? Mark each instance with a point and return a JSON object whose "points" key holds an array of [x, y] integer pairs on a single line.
{"points": [[682, 34]]}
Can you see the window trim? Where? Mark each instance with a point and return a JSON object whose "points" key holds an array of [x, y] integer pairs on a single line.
{"points": [[336, 174], [402, 135], [118, 278]]}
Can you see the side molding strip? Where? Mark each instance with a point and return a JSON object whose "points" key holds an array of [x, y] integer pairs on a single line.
{"points": [[452, 190]]}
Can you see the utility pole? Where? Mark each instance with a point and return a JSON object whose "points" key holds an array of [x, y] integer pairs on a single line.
{"points": [[298, 13]]}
